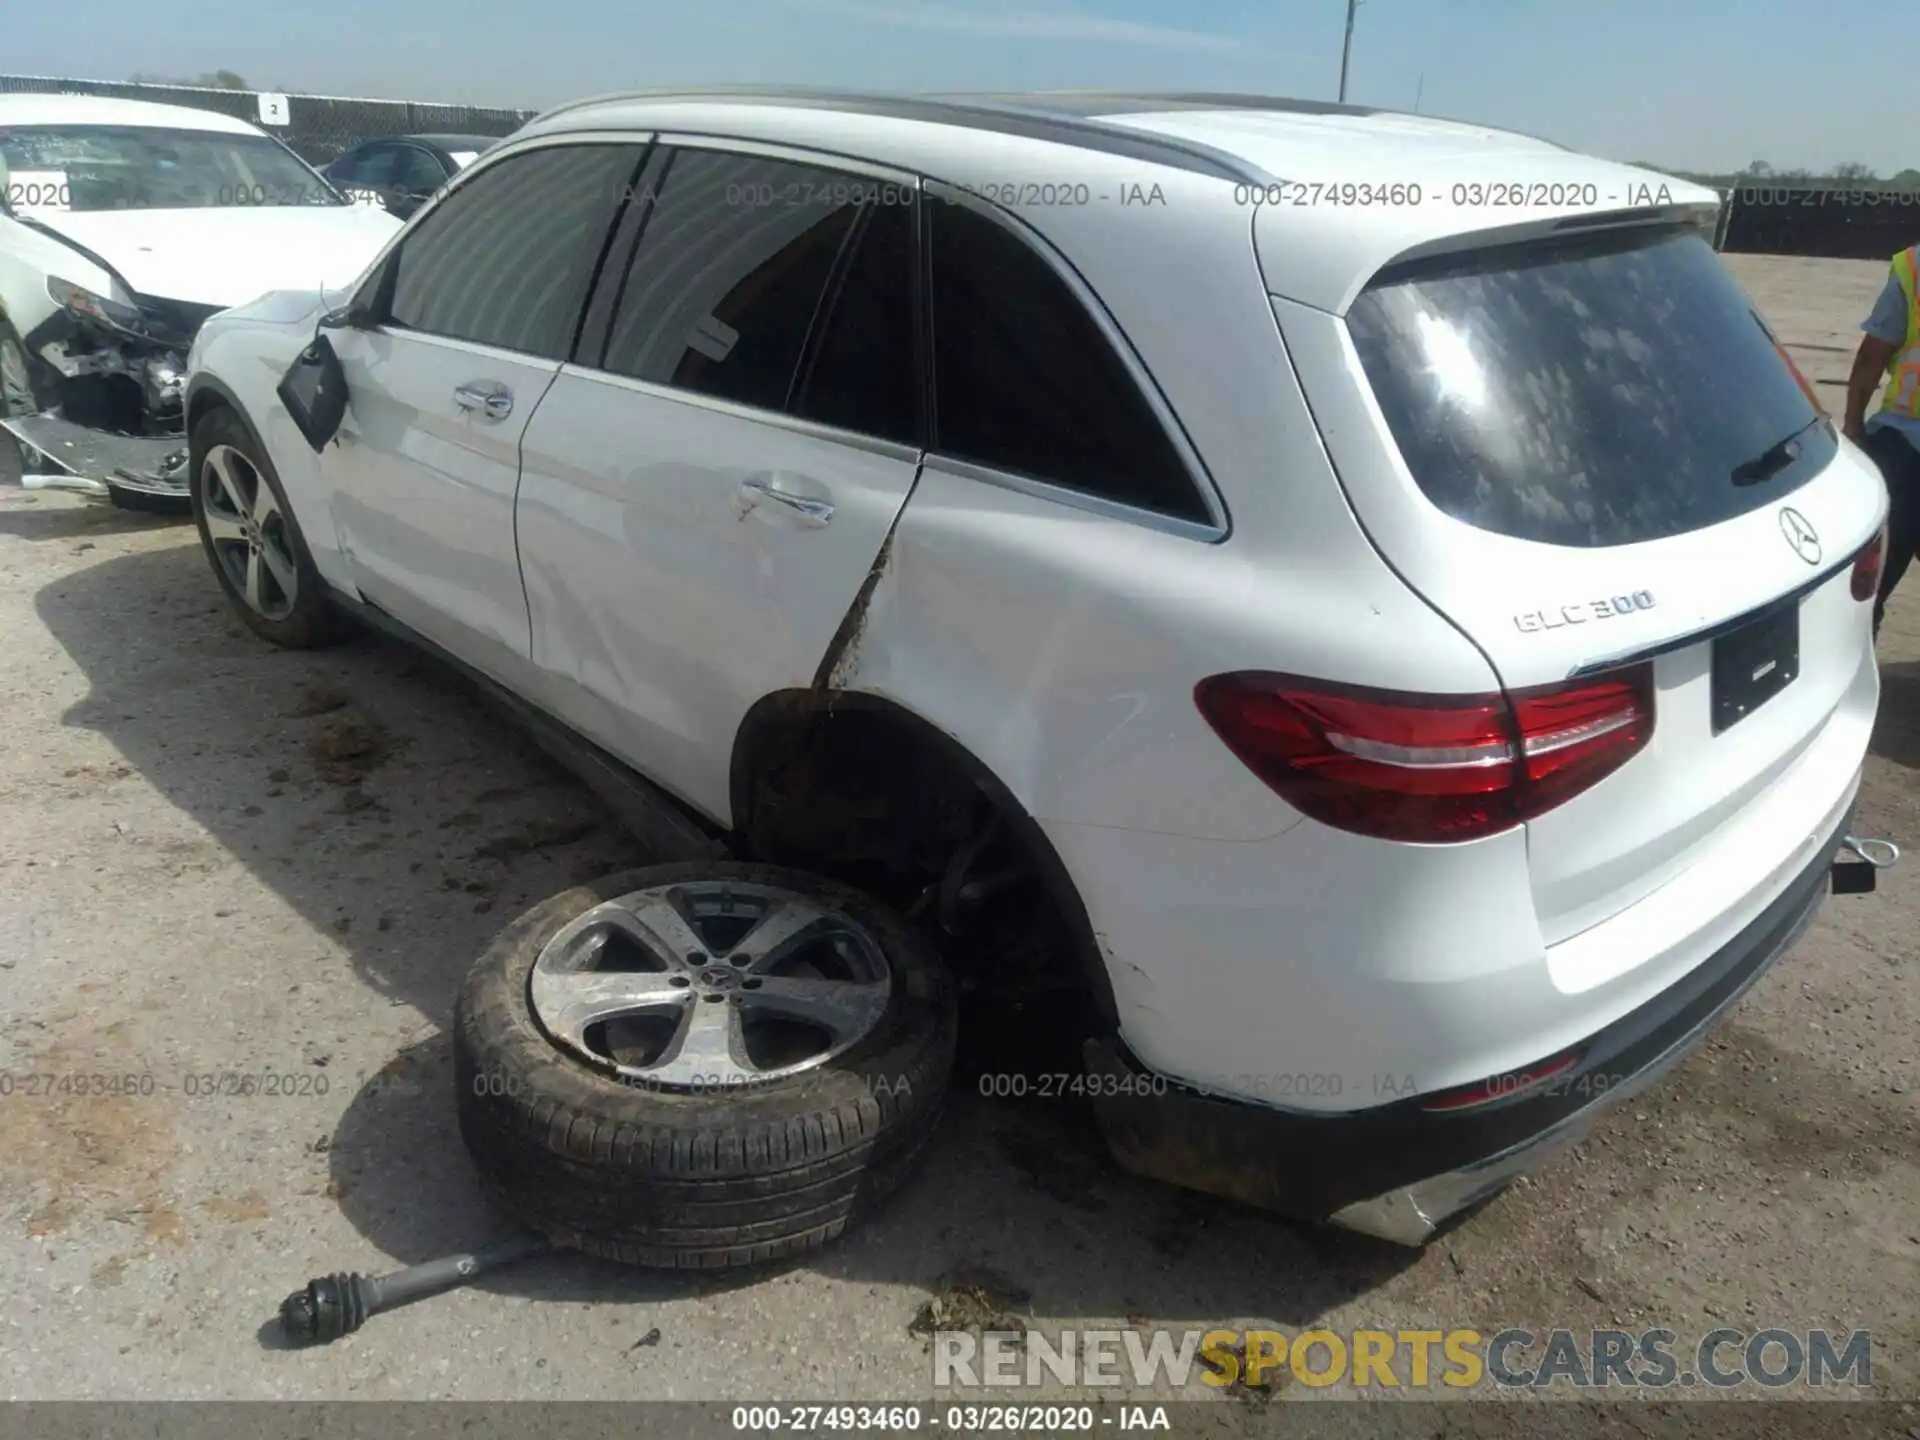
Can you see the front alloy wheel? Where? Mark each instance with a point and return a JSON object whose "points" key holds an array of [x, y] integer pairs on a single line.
{"points": [[248, 533]]}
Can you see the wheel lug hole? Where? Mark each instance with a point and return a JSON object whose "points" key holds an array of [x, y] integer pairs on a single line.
{"points": [[715, 999], [679, 980], [696, 959], [741, 961], [749, 984]]}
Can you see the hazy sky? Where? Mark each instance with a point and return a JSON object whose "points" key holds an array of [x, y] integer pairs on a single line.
{"points": [[1691, 84]]}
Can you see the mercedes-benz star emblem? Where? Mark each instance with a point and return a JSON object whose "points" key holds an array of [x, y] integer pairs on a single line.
{"points": [[1800, 535]]}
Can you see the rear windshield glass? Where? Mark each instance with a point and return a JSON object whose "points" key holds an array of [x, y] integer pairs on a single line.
{"points": [[1597, 392]]}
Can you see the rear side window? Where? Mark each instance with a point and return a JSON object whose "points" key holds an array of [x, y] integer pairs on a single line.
{"points": [[730, 272], [1025, 381], [372, 166], [1600, 392], [505, 260]]}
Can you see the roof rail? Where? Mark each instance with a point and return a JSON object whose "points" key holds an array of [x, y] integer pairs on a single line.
{"points": [[1007, 115], [1106, 102]]}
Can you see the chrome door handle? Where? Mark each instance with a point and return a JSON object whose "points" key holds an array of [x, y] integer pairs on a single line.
{"points": [[808, 512], [494, 399]]}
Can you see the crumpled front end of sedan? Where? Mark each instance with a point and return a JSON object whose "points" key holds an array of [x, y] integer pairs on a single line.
{"points": [[112, 372]]}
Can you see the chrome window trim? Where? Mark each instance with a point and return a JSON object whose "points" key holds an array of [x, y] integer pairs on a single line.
{"points": [[1074, 499], [733, 409], [792, 154]]}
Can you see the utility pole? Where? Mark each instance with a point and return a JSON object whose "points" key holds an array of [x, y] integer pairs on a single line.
{"points": [[1418, 91], [1346, 50]]}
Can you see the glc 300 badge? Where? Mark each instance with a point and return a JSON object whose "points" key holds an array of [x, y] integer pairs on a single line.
{"points": [[1560, 616]]}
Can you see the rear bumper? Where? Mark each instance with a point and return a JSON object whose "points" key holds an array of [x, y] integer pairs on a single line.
{"points": [[97, 462], [1398, 1170]]}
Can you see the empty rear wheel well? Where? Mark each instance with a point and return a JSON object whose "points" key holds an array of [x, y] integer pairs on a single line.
{"points": [[864, 790]]}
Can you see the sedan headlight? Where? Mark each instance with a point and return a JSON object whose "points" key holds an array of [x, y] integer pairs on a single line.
{"points": [[83, 304]]}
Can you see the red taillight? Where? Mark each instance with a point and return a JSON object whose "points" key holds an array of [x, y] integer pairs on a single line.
{"points": [[1867, 567], [1510, 1086], [1428, 768]]}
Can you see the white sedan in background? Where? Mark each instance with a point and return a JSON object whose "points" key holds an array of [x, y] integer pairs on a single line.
{"points": [[123, 226]]}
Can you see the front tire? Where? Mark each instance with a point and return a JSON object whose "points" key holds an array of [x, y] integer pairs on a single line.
{"points": [[16, 399], [717, 1139], [251, 538]]}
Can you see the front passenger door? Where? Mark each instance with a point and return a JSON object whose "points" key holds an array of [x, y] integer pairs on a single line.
{"points": [[472, 316]]}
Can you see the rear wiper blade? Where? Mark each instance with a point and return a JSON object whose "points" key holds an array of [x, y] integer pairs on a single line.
{"points": [[1775, 458]]}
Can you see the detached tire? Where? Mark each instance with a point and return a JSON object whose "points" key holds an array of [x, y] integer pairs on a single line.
{"points": [[584, 1145]]}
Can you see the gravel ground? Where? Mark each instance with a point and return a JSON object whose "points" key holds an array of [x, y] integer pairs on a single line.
{"points": [[216, 859]]}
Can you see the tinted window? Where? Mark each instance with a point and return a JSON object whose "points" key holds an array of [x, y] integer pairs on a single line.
{"points": [[862, 375], [371, 167], [1025, 381], [1593, 393], [728, 274], [506, 259], [417, 171]]}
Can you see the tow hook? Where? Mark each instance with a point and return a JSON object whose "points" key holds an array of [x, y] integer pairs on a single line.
{"points": [[1857, 877]]}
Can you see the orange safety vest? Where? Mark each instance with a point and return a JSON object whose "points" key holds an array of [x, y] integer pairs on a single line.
{"points": [[1902, 395]]}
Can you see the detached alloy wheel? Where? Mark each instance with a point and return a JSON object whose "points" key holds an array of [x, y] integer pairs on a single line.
{"points": [[251, 538], [702, 1065]]}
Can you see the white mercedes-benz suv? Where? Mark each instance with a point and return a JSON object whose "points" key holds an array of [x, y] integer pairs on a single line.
{"points": [[1358, 609]]}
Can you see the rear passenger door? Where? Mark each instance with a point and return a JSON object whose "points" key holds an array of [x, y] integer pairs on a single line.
{"points": [[706, 488]]}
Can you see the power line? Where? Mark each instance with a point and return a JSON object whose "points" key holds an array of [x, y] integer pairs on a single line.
{"points": [[1346, 50]]}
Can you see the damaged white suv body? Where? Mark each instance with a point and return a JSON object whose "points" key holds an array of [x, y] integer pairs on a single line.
{"points": [[1367, 592], [123, 225]]}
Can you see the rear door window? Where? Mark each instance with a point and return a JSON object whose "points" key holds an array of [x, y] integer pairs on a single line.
{"points": [[1592, 392], [863, 374], [730, 273]]}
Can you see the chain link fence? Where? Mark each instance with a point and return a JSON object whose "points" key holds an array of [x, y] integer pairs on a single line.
{"points": [[1867, 223], [318, 128]]}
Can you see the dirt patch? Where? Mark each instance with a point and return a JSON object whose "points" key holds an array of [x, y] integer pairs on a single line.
{"points": [[318, 700], [1056, 1149], [972, 1298], [535, 836], [347, 749], [250, 1206], [1273, 1378], [71, 1151]]}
